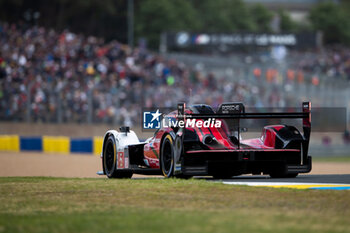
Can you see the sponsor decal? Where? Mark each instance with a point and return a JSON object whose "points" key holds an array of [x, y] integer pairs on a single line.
{"points": [[121, 161], [182, 38], [155, 120], [229, 108], [208, 123], [151, 120], [126, 162]]}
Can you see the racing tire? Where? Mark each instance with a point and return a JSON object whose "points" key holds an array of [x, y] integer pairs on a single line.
{"points": [[167, 157], [110, 160]]}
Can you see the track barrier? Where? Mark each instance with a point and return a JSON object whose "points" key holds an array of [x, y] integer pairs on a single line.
{"points": [[56, 144], [51, 144], [98, 141], [9, 143]]}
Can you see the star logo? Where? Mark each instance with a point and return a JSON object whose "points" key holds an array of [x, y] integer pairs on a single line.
{"points": [[151, 120], [156, 115]]}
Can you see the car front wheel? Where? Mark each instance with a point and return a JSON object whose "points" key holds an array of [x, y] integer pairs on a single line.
{"points": [[109, 160], [167, 157]]}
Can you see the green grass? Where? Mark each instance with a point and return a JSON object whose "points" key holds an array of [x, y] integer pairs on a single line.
{"points": [[340, 159], [165, 205]]}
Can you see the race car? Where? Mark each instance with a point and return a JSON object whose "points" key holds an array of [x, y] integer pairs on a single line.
{"points": [[198, 141]]}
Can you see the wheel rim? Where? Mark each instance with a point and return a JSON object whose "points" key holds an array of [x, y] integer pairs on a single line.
{"points": [[109, 157], [167, 159]]}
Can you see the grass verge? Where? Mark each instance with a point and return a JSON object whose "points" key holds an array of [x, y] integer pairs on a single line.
{"points": [[165, 205]]}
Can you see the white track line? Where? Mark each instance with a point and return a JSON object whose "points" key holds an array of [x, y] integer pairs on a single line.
{"points": [[277, 183]]}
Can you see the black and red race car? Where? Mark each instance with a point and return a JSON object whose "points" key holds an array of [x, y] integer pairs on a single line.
{"points": [[198, 141]]}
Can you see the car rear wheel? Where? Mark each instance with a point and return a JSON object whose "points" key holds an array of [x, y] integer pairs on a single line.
{"points": [[167, 157], [109, 160]]}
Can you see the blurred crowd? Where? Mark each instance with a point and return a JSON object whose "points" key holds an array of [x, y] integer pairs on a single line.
{"points": [[51, 76], [332, 61]]}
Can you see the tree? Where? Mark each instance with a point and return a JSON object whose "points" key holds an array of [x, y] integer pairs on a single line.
{"points": [[93, 17], [223, 15], [108, 18], [261, 17], [286, 22], [155, 17], [332, 20]]}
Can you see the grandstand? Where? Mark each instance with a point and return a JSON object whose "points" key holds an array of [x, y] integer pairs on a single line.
{"points": [[59, 76]]}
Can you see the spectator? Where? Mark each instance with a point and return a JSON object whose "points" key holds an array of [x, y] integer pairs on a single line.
{"points": [[63, 76]]}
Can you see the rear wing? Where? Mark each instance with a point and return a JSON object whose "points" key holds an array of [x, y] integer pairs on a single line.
{"points": [[305, 114]]}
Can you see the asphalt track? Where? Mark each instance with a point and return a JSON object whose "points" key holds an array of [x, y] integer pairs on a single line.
{"points": [[86, 166], [326, 179]]}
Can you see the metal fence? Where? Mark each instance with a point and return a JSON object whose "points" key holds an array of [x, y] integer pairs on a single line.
{"points": [[326, 91], [113, 104]]}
